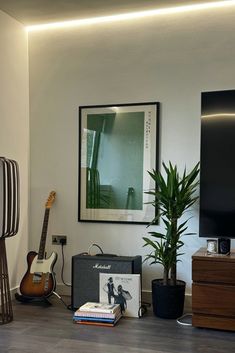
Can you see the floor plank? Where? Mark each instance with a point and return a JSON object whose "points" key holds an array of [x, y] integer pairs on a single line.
{"points": [[41, 329]]}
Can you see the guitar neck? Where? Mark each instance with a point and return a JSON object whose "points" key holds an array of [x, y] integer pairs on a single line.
{"points": [[41, 251]]}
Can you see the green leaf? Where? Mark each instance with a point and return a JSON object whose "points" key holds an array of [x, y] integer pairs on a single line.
{"points": [[173, 195], [157, 235]]}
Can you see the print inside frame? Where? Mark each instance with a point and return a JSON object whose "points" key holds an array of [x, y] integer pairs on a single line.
{"points": [[123, 289], [118, 145]]}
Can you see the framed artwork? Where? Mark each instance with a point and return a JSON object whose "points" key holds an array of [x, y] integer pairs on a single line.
{"points": [[118, 145]]}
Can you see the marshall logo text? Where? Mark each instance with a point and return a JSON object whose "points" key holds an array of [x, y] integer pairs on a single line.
{"points": [[102, 267]]}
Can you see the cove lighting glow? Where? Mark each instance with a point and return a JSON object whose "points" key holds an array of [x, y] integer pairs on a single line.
{"points": [[219, 115], [131, 15]]}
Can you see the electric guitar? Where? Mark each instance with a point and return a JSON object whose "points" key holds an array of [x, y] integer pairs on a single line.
{"points": [[39, 280]]}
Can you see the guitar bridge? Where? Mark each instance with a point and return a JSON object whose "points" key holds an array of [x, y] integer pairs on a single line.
{"points": [[37, 277], [46, 282]]}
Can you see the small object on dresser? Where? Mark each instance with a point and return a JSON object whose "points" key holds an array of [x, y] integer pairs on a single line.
{"points": [[98, 314], [211, 246], [224, 245]]}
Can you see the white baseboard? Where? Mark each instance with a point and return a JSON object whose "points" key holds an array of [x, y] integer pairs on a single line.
{"points": [[147, 297], [13, 291], [61, 289], [188, 303]]}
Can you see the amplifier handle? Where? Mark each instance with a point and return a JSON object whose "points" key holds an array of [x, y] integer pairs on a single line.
{"points": [[91, 246]]}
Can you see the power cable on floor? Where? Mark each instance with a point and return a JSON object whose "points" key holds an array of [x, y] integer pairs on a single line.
{"points": [[181, 319], [68, 306]]}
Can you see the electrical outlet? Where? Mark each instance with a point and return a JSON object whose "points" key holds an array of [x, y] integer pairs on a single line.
{"points": [[59, 239]]}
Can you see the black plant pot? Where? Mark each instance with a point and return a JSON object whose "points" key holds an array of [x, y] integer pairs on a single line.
{"points": [[168, 301]]}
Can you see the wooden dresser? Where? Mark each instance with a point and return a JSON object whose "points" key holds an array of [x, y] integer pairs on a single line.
{"points": [[213, 290]]}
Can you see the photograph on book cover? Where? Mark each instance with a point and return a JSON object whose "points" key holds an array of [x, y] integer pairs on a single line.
{"points": [[123, 289], [118, 145]]}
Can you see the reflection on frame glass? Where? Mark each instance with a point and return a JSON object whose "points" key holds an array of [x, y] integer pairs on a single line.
{"points": [[118, 144]]}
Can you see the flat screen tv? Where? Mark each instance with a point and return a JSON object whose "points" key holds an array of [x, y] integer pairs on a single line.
{"points": [[217, 175]]}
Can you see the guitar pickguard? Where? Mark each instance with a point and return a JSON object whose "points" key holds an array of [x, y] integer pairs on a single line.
{"points": [[44, 265]]}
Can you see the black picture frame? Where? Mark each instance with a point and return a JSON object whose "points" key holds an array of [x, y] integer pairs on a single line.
{"points": [[118, 145]]}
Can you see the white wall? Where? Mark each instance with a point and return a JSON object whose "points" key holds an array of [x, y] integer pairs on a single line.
{"points": [[14, 128], [170, 59]]}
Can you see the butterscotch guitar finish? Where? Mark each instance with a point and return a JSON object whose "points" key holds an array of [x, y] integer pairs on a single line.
{"points": [[39, 280]]}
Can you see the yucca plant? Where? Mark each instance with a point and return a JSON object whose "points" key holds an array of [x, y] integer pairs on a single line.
{"points": [[172, 197]]}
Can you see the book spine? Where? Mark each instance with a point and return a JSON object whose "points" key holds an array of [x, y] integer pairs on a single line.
{"points": [[94, 323], [100, 315], [96, 319]]}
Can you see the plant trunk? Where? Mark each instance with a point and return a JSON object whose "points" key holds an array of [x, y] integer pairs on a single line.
{"points": [[165, 276], [173, 275], [174, 244]]}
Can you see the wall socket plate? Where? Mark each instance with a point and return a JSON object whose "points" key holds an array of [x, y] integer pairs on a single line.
{"points": [[59, 239]]}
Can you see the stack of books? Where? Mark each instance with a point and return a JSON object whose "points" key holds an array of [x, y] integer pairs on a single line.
{"points": [[98, 314]]}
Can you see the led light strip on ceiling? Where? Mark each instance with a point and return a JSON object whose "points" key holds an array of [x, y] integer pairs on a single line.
{"points": [[132, 15], [219, 115]]}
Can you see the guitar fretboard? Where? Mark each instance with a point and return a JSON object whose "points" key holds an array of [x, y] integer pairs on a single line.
{"points": [[41, 251]]}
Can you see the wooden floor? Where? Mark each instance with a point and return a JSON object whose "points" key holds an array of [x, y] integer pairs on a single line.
{"points": [[40, 329]]}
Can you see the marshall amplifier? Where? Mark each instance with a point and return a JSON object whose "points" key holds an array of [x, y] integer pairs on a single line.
{"points": [[86, 270]]}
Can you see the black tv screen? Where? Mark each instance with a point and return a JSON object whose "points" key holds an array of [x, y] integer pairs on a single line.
{"points": [[217, 174]]}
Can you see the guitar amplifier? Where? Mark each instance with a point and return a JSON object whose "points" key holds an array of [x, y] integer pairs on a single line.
{"points": [[9, 197], [86, 270]]}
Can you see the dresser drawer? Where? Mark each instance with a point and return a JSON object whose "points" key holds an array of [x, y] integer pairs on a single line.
{"points": [[213, 271], [216, 322], [213, 299]]}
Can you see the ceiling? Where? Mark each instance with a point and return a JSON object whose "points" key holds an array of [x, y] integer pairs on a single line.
{"points": [[31, 12]]}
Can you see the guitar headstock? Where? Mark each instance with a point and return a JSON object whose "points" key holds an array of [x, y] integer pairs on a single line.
{"points": [[51, 199]]}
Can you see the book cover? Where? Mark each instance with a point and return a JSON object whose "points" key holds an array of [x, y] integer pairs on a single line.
{"points": [[100, 307], [123, 289], [95, 314]]}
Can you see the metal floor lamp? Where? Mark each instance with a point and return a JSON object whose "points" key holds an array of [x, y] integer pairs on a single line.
{"points": [[9, 224]]}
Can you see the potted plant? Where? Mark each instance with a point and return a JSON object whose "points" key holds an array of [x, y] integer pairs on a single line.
{"points": [[173, 196]]}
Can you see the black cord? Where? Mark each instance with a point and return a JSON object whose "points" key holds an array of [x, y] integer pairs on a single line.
{"points": [[68, 306], [62, 267], [143, 309]]}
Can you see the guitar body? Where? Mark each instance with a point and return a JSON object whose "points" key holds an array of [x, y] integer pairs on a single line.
{"points": [[39, 280]]}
